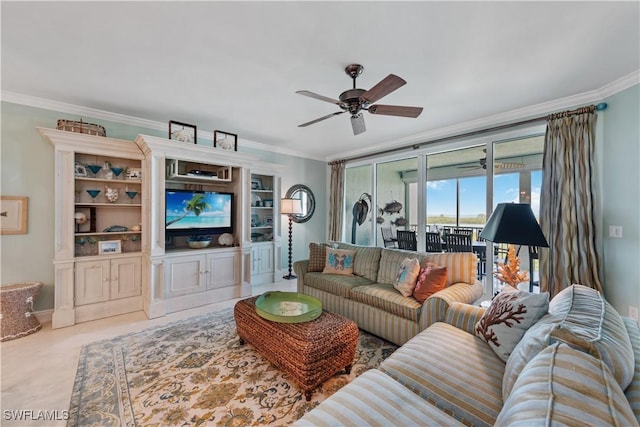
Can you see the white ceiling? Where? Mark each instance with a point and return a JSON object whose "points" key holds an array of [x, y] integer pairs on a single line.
{"points": [[235, 66]]}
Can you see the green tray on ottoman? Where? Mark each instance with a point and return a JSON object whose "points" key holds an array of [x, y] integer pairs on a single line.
{"points": [[288, 307]]}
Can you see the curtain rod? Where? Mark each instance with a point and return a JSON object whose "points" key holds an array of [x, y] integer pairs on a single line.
{"points": [[600, 107]]}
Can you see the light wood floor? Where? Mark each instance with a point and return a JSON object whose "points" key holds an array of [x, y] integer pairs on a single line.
{"points": [[37, 371]]}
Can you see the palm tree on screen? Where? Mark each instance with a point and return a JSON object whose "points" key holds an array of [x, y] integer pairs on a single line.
{"points": [[197, 205]]}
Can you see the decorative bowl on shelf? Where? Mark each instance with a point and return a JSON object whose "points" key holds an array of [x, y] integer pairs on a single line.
{"points": [[94, 169], [199, 242]]}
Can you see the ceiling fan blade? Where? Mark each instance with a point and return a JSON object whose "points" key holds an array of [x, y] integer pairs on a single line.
{"points": [[328, 116], [383, 88], [357, 123], [316, 96], [395, 110]]}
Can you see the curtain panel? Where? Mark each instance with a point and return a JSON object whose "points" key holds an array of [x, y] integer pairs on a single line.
{"points": [[567, 203], [336, 201]]}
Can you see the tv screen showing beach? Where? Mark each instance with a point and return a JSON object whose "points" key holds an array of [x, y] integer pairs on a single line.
{"points": [[186, 210]]}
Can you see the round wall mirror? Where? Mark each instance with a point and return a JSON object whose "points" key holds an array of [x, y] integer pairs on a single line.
{"points": [[307, 200]]}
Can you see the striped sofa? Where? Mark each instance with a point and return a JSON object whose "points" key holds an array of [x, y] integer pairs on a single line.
{"points": [[579, 365], [369, 298]]}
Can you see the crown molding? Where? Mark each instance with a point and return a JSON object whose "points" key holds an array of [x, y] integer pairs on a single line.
{"points": [[48, 104], [507, 117], [524, 113], [621, 84]]}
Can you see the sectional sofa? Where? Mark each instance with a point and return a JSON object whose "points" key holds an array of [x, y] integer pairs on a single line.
{"points": [[369, 298], [579, 364]]}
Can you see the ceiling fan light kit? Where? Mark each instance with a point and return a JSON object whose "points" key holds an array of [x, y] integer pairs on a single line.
{"points": [[354, 101]]}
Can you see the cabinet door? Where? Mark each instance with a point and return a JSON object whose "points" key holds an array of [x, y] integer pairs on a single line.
{"points": [[185, 275], [92, 282], [255, 260], [126, 277], [266, 259], [224, 270]]}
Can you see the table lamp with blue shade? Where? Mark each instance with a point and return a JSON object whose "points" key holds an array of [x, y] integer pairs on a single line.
{"points": [[290, 207], [515, 224]]}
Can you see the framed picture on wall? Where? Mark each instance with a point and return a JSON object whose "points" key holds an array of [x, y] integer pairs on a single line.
{"points": [[225, 140], [182, 132], [13, 215]]}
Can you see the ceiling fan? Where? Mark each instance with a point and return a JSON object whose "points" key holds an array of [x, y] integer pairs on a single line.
{"points": [[354, 101], [482, 164]]}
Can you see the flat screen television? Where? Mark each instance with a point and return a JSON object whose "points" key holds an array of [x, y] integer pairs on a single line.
{"points": [[190, 212]]}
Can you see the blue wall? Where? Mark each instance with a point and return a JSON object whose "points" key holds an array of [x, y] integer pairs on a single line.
{"points": [[620, 163]]}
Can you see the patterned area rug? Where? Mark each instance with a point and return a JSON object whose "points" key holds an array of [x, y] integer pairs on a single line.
{"points": [[195, 373]]}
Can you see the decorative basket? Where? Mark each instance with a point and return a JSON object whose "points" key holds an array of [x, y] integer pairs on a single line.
{"points": [[82, 127]]}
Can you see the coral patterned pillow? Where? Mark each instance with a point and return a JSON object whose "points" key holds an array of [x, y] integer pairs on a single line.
{"points": [[339, 261], [407, 276], [431, 279], [511, 313]]}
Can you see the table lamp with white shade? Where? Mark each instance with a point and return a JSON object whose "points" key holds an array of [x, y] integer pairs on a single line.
{"points": [[290, 207]]}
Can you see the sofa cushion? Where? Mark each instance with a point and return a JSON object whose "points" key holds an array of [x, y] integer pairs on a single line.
{"points": [[366, 261], [407, 275], [461, 266], [583, 312], [441, 365], [508, 317], [374, 399], [565, 386], [390, 260], [339, 261], [431, 279], [334, 283], [385, 297], [317, 256]]}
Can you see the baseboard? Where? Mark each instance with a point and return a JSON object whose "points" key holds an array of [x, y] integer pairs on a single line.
{"points": [[44, 316]]}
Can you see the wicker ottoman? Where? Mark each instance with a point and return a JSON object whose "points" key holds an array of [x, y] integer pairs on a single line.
{"points": [[16, 310], [311, 352]]}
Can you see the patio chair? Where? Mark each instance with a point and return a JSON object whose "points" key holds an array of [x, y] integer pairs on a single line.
{"points": [[468, 231], [387, 237], [407, 240], [534, 254], [433, 242], [456, 242]]}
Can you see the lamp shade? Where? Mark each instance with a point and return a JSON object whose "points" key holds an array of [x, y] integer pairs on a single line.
{"points": [[514, 223], [290, 206]]}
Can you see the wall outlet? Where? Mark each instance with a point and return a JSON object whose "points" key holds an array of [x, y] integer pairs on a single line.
{"points": [[615, 231], [633, 312]]}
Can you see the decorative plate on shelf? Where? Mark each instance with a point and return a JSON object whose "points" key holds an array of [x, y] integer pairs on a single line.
{"points": [[225, 239]]}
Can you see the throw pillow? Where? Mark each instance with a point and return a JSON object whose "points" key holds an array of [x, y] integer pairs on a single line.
{"points": [[431, 279], [317, 256], [339, 261], [407, 275], [508, 317]]}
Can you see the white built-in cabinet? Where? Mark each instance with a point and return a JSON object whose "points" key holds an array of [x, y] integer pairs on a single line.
{"points": [[102, 270], [97, 263], [181, 277]]}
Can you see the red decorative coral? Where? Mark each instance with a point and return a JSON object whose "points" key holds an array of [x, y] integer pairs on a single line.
{"points": [[509, 272]]}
